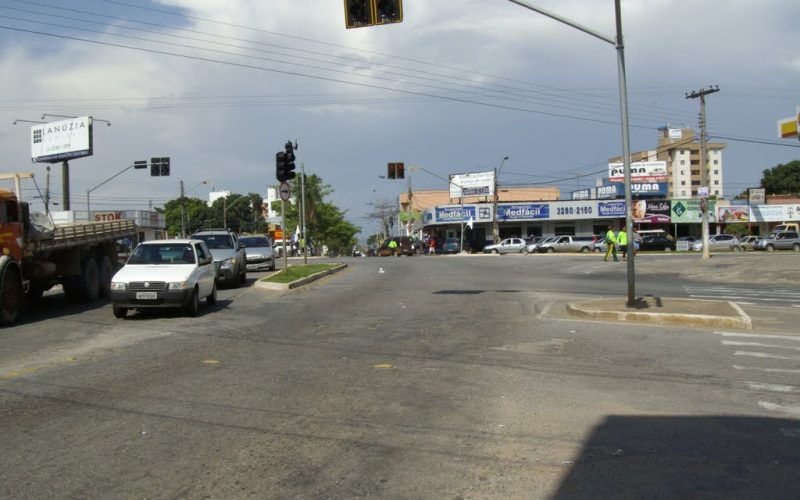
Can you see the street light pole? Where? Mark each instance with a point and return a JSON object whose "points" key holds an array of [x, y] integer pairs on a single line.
{"points": [[495, 224], [623, 105]]}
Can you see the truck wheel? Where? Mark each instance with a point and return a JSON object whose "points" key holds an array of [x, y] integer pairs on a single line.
{"points": [[34, 294], [90, 280], [106, 273], [796, 247], [119, 311], [770, 248], [11, 297]]}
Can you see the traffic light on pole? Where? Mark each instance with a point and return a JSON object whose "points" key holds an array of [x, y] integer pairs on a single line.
{"points": [[290, 166], [388, 11], [358, 13], [159, 167], [391, 171], [400, 170], [165, 166], [280, 166]]}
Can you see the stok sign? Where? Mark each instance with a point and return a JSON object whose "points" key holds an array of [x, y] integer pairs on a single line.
{"points": [[107, 216]]}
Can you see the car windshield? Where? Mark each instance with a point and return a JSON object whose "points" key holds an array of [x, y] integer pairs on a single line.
{"points": [[216, 241], [254, 242], [162, 253]]}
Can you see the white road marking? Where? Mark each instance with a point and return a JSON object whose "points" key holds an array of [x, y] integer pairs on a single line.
{"points": [[768, 370], [758, 344], [765, 355], [758, 386], [791, 410], [759, 335]]}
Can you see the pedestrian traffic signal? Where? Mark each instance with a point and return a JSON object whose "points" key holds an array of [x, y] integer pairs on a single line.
{"points": [[159, 167], [360, 13]]}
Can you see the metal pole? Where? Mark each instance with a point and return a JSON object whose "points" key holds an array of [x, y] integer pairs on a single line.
{"points": [[283, 229], [183, 213], [461, 244], [88, 205], [303, 212], [65, 184], [703, 162], [626, 153]]}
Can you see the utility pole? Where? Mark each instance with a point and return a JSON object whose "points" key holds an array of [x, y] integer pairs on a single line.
{"points": [[703, 160], [495, 223], [183, 213]]}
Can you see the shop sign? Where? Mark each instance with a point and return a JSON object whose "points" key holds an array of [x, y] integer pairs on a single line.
{"points": [[528, 211], [571, 210], [688, 211], [455, 213], [611, 208], [651, 212]]}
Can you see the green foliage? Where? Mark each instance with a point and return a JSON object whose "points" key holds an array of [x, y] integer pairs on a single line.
{"points": [[738, 230], [782, 179]]}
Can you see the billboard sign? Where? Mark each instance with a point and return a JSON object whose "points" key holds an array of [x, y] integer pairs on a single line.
{"points": [[610, 191], [455, 213], [688, 211], [651, 212], [584, 194], [611, 208], [62, 140], [523, 211], [733, 214], [756, 196], [649, 188], [477, 184], [641, 171], [570, 210], [774, 213]]}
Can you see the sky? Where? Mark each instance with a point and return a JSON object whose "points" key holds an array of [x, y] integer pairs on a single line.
{"points": [[219, 86]]}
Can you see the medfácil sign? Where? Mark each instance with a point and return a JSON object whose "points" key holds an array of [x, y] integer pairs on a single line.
{"points": [[62, 140]]}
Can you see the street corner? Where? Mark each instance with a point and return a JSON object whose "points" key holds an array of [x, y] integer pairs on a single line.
{"points": [[664, 311]]}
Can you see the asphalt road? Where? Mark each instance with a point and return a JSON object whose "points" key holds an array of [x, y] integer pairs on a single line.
{"points": [[420, 377]]}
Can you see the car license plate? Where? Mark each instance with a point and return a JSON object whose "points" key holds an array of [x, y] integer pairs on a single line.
{"points": [[147, 295]]}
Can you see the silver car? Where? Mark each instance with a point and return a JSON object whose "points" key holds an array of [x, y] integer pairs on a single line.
{"points": [[259, 252], [508, 245], [782, 240], [719, 243]]}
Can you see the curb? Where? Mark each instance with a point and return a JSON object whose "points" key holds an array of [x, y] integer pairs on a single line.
{"points": [[740, 321], [298, 283]]}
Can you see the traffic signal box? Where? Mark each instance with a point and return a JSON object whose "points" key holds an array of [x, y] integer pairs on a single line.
{"points": [[159, 167], [284, 163], [396, 171], [361, 13]]}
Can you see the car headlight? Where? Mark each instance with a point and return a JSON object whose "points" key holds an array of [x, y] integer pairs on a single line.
{"points": [[119, 285], [179, 285], [229, 262]]}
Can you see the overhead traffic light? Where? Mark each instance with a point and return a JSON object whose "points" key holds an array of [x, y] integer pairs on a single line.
{"points": [[401, 170], [280, 166], [391, 171], [159, 167], [360, 13]]}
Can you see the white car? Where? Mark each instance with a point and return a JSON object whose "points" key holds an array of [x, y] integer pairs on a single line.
{"points": [[719, 242], [508, 245], [165, 273]]}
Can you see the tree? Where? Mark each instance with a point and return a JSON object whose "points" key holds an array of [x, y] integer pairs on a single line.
{"points": [[782, 179]]}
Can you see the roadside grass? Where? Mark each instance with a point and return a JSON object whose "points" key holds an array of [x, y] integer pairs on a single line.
{"points": [[294, 273]]}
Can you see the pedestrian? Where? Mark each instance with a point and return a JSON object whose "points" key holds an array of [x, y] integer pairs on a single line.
{"points": [[393, 246], [622, 242], [611, 243], [432, 246]]}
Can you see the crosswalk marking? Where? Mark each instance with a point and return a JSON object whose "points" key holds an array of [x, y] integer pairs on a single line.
{"points": [[757, 386], [768, 370], [765, 355], [792, 410], [785, 297], [759, 344], [759, 335]]}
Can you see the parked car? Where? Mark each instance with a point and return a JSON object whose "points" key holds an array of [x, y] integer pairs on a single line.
{"points": [[533, 243], [719, 242], [749, 242], [228, 253], [508, 245], [660, 243], [165, 273], [453, 245], [568, 244], [782, 240], [259, 253]]}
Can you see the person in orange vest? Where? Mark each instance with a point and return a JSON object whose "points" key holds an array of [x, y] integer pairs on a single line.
{"points": [[611, 242]]}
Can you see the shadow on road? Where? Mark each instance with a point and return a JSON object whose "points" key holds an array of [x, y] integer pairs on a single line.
{"points": [[687, 457]]}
